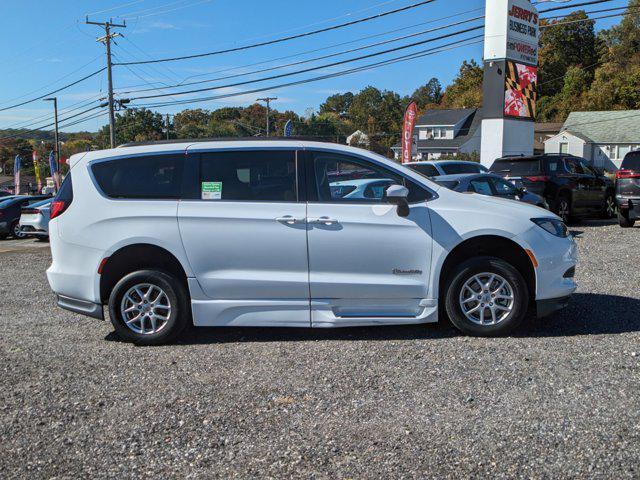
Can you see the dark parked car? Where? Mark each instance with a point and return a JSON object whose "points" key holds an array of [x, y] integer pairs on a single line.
{"points": [[10, 211], [571, 186], [4, 194], [489, 184], [435, 168], [628, 189]]}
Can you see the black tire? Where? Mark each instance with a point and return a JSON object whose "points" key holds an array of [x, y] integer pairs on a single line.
{"points": [[609, 207], [492, 265], [624, 220], [178, 298], [563, 208], [3, 236], [43, 239], [15, 231]]}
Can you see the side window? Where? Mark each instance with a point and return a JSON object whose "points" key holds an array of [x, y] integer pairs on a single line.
{"points": [[573, 167], [425, 169], [587, 168], [340, 178], [154, 177], [503, 188], [480, 185], [251, 175]]}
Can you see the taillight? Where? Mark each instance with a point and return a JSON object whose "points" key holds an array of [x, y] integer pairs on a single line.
{"points": [[58, 208], [537, 178], [627, 174]]}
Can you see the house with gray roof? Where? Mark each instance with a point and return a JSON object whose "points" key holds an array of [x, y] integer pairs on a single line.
{"points": [[445, 132], [602, 138]]}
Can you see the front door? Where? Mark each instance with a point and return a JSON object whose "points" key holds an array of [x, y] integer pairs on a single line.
{"points": [[367, 264], [244, 233]]}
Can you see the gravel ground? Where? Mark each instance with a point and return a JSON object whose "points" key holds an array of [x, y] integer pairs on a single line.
{"points": [[559, 399]]}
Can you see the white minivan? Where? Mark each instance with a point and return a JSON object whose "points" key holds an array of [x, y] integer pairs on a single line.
{"points": [[292, 233]]}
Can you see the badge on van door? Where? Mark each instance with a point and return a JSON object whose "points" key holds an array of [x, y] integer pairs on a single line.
{"points": [[211, 190]]}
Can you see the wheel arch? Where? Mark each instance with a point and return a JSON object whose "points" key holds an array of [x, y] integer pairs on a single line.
{"points": [[138, 256], [489, 245]]}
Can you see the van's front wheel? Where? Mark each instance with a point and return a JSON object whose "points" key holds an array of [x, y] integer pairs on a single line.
{"points": [[148, 307], [486, 296]]}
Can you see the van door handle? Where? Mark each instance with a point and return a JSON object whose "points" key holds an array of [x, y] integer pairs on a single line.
{"points": [[289, 220], [323, 220]]}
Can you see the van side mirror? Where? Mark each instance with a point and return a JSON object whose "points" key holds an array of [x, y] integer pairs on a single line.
{"points": [[397, 195]]}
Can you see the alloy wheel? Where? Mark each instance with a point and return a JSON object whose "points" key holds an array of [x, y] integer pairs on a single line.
{"points": [[17, 233], [486, 298], [563, 210], [610, 207], [145, 308]]}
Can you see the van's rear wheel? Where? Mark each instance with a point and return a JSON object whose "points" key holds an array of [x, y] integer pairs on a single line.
{"points": [[149, 307], [486, 296]]}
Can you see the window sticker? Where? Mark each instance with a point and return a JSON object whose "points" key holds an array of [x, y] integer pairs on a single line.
{"points": [[211, 190]]}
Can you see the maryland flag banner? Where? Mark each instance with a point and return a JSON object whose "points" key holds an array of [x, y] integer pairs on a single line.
{"points": [[520, 91], [407, 131], [36, 169]]}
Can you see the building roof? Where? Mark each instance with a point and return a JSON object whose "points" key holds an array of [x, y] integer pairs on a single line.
{"points": [[617, 126], [444, 117], [547, 127], [468, 129]]}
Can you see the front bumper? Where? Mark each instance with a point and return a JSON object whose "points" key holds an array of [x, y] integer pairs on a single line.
{"points": [[81, 306], [550, 305]]}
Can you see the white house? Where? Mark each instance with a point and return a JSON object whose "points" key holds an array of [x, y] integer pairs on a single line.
{"points": [[602, 138], [445, 132]]}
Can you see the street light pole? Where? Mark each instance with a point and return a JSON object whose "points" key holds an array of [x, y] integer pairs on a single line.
{"points": [[57, 142], [267, 100]]}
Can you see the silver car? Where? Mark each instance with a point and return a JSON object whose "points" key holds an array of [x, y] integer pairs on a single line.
{"points": [[34, 219]]}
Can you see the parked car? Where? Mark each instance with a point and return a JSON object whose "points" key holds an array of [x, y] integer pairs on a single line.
{"points": [[571, 186], [34, 219], [492, 185], [358, 189], [434, 168], [10, 210], [166, 234], [5, 194], [628, 189]]}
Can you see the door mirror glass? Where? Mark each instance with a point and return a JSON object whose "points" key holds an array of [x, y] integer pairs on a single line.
{"points": [[397, 195]]}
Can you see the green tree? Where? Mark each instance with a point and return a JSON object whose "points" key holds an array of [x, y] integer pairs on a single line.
{"points": [[428, 94], [338, 104], [134, 125], [466, 89], [563, 46], [191, 123]]}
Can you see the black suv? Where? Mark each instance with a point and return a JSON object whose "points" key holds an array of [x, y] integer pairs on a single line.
{"points": [[628, 190], [571, 186]]}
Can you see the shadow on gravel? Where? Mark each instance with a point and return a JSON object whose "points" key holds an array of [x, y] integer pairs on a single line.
{"points": [[587, 314]]}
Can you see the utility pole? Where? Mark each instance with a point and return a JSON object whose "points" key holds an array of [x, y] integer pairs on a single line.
{"points": [[166, 123], [55, 115], [268, 101], [108, 36]]}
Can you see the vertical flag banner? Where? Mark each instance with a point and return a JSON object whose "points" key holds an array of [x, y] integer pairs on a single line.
{"points": [[288, 128], [16, 174], [54, 170], [407, 131], [36, 170]]}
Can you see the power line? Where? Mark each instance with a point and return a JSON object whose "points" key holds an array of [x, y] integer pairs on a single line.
{"points": [[282, 75], [582, 4], [291, 37], [404, 37], [54, 91], [50, 124]]}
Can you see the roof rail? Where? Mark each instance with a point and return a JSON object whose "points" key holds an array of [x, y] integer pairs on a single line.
{"points": [[218, 139]]}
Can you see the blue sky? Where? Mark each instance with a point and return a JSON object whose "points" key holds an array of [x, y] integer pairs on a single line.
{"points": [[43, 41]]}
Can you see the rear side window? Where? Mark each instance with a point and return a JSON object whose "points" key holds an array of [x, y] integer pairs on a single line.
{"points": [[455, 168], [631, 161], [425, 169], [267, 176], [155, 177], [481, 186], [513, 167]]}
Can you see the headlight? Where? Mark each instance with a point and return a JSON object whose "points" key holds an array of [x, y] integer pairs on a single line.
{"points": [[553, 226]]}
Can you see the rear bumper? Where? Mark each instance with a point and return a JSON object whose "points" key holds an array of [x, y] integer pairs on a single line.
{"points": [[30, 230], [629, 206], [82, 307], [550, 305]]}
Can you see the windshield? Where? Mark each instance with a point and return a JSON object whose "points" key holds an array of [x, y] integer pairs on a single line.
{"points": [[511, 167], [462, 167], [425, 169], [631, 161]]}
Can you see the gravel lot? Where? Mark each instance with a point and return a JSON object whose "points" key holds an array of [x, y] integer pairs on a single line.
{"points": [[560, 399]]}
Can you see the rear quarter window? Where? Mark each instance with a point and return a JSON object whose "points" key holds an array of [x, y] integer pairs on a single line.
{"points": [[154, 177], [455, 168], [631, 161]]}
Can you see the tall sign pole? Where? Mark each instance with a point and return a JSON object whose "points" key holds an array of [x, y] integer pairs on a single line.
{"points": [[267, 100], [510, 79], [106, 39]]}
